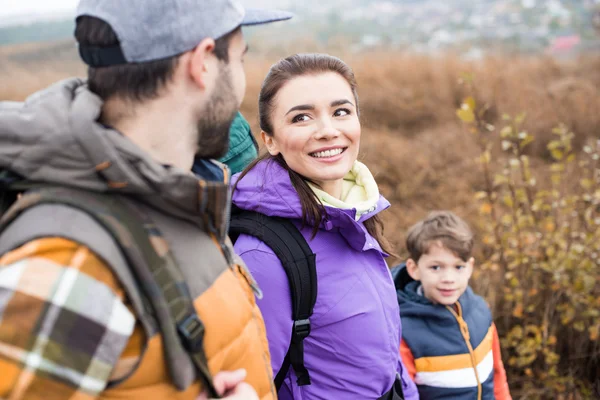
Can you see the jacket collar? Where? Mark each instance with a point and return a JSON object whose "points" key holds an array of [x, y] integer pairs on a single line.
{"points": [[267, 189]]}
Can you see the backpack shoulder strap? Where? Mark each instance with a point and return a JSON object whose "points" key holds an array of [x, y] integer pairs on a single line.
{"points": [[298, 261], [158, 276]]}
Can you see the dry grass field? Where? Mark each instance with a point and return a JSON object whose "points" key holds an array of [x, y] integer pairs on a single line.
{"points": [[422, 156]]}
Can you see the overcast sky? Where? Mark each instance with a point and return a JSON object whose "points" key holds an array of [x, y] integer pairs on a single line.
{"points": [[19, 7]]}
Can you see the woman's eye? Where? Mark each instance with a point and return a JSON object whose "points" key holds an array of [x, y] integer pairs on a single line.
{"points": [[300, 118], [341, 112]]}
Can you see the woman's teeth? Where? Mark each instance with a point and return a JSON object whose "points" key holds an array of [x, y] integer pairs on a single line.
{"points": [[327, 153]]}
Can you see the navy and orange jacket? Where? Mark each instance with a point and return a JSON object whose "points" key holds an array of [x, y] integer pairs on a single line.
{"points": [[451, 352]]}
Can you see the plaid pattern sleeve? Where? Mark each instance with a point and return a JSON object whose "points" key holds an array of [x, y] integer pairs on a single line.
{"points": [[63, 322]]}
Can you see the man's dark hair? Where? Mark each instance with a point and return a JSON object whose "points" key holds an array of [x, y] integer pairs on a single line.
{"points": [[135, 81]]}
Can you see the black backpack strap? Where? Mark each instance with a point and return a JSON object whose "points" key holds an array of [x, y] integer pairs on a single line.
{"points": [[158, 275], [298, 261], [8, 194]]}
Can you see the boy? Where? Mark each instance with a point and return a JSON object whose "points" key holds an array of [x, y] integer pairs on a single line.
{"points": [[449, 342]]}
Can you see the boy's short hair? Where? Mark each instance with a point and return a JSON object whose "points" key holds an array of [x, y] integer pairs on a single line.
{"points": [[444, 227]]}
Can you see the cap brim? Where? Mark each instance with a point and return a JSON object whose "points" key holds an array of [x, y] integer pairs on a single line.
{"points": [[256, 16]]}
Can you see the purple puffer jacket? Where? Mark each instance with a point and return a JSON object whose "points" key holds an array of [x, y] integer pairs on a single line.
{"points": [[352, 351]]}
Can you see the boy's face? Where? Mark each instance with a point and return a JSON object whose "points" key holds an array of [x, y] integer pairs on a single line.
{"points": [[444, 276]]}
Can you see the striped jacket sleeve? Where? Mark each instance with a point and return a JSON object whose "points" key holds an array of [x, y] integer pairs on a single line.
{"points": [[64, 322], [501, 391]]}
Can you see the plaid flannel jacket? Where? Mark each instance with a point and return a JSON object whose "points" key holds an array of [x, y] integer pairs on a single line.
{"points": [[65, 327]]}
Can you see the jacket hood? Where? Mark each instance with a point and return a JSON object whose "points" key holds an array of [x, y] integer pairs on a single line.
{"points": [[267, 189], [54, 138], [412, 304]]}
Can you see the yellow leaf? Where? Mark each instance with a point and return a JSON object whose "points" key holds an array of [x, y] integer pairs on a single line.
{"points": [[514, 282], [556, 154], [500, 179], [586, 183], [480, 195], [552, 340], [579, 326], [594, 332], [470, 101], [568, 315], [466, 114], [488, 240], [528, 139], [506, 132], [518, 311], [486, 157], [486, 208]]}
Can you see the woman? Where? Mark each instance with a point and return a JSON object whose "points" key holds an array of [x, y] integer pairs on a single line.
{"points": [[308, 109]]}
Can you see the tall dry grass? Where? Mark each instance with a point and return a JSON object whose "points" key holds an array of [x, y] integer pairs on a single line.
{"points": [[412, 140]]}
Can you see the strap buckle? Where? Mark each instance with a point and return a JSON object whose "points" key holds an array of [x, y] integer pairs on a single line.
{"points": [[301, 329], [191, 332]]}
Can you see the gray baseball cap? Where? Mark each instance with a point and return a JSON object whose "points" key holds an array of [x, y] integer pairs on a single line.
{"points": [[155, 29]]}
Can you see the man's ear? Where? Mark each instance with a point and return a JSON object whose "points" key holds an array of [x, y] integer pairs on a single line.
{"points": [[270, 143], [413, 269], [203, 63]]}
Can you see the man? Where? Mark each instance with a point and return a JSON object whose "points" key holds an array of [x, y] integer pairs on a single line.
{"points": [[80, 315]]}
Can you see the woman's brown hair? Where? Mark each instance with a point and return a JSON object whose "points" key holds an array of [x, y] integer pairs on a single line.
{"points": [[313, 212]]}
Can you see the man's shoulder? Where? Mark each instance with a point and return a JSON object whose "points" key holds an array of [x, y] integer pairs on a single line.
{"points": [[55, 253], [64, 292], [46, 221]]}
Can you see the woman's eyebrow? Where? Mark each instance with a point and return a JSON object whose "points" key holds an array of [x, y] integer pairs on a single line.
{"points": [[302, 107], [340, 102], [305, 107]]}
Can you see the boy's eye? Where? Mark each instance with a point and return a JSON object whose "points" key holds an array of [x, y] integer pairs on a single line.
{"points": [[435, 267], [300, 118], [460, 267]]}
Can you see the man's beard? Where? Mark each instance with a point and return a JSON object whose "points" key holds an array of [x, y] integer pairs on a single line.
{"points": [[216, 119]]}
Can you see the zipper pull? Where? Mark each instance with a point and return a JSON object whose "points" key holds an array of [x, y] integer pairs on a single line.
{"points": [[464, 328]]}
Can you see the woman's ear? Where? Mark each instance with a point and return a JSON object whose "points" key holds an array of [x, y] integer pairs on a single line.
{"points": [[270, 143], [413, 269]]}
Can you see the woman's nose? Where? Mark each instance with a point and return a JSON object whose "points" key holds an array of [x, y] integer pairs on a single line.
{"points": [[326, 130]]}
